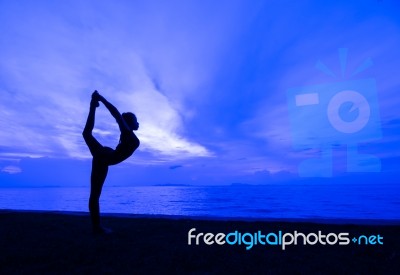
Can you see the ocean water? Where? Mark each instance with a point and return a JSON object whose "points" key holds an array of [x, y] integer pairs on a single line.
{"points": [[285, 201]]}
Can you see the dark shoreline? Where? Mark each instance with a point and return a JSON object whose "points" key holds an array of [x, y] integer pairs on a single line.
{"points": [[219, 218], [62, 242]]}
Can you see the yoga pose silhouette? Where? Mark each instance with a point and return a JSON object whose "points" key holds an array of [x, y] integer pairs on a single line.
{"points": [[105, 156]]}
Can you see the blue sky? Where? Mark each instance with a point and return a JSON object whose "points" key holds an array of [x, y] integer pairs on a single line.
{"points": [[207, 80]]}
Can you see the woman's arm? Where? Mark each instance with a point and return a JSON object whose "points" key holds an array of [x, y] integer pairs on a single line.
{"points": [[113, 111]]}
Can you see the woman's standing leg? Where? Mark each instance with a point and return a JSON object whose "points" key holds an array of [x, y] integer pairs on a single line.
{"points": [[98, 176], [99, 168]]}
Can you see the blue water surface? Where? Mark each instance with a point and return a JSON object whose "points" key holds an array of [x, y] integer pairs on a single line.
{"points": [[284, 201]]}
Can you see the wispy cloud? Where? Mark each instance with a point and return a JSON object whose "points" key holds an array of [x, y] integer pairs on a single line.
{"points": [[53, 77], [11, 169], [205, 79]]}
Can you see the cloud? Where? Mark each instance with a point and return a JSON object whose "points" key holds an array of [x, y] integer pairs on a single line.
{"points": [[11, 169], [51, 80], [205, 79], [270, 121], [161, 124]]}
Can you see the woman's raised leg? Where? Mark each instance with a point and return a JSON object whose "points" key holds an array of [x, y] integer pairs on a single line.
{"points": [[94, 146]]}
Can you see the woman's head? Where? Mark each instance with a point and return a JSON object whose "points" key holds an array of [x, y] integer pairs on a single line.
{"points": [[131, 120]]}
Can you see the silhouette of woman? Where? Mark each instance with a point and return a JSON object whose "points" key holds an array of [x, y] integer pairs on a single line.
{"points": [[105, 156]]}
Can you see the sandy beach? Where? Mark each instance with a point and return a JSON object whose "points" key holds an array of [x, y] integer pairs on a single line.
{"points": [[48, 242]]}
